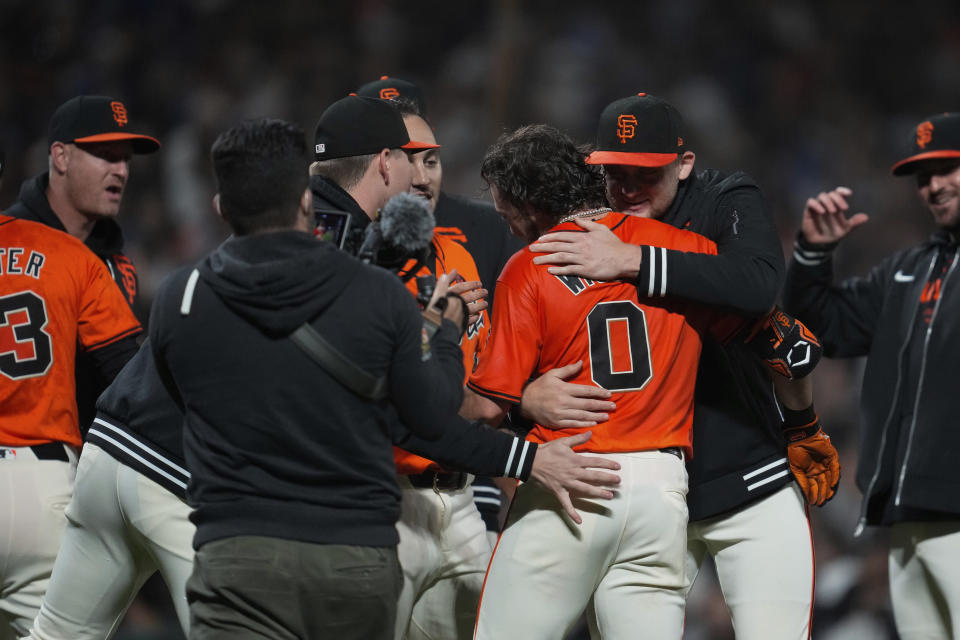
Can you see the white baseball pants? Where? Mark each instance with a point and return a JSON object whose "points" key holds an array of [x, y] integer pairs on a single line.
{"points": [[122, 527], [33, 495], [764, 558], [627, 556], [925, 579], [444, 552]]}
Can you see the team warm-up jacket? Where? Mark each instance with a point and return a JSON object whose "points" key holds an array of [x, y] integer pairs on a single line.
{"points": [[470, 447], [139, 424], [644, 351], [56, 298], [740, 454], [106, 241], [901, 316], [477, 225]]}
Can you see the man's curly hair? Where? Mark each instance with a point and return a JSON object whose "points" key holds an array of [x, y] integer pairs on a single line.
{"points": [[540, 166]]}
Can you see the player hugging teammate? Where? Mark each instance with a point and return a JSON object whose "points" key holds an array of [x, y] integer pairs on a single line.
{"points": [[637, 328]]}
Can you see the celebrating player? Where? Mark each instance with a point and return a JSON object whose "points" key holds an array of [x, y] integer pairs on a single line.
{"points": [[91, 141], [900, 317], [629, 560], [55, 297], [745, 504], [128, 516]]}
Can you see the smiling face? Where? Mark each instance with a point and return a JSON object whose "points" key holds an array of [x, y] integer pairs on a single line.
{"points": [[938, 184], [95, 176], [646, 192], [427, 170]]}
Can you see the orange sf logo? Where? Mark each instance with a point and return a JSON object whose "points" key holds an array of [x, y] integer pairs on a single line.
{"points": [[119, 113], [626, 123], [388, 92], [924, 134]]}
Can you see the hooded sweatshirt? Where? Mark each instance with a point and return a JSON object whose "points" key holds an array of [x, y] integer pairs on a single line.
{"points": [[276, 446]]}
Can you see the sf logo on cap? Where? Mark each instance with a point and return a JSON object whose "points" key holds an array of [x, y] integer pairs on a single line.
{"points": [[626, 127], [924, 134], [119, 113], [388, 92]]}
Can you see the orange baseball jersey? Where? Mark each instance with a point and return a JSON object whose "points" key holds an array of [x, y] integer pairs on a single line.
{"points": [[450, 255], [646, 353], [54, 294]]}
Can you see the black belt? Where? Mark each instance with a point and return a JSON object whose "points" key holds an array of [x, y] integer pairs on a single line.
{"points": [[439, 480], [674, 451], [50, 451]]}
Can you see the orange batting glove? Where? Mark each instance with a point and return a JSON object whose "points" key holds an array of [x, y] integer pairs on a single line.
{"points": [[814, 462]]}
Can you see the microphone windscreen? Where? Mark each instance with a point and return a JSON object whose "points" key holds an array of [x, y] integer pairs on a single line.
{"points": [[406, 223]]}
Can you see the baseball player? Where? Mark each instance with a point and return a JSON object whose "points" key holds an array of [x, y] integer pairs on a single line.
{"points": [[128, 516], [56, 298], [745, 504], [626, 557], [900, 316], [91, 140], [469, 221], [443, 550]]}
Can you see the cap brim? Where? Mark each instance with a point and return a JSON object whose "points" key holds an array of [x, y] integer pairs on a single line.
{"points": [[907, 165], [416, 145], [633, 159], [141, 143]]}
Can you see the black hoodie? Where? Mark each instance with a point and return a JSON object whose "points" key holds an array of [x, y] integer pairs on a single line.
{"points": [[276, 447], [106, 241]]}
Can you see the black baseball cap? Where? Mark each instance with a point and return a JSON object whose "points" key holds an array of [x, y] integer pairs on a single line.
{"points": [[936, 137], [386, 88], [97, 119], [641, 130], [356, 126]]}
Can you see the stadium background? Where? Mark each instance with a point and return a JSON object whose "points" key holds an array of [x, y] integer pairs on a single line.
{"points": [[802, 95]]}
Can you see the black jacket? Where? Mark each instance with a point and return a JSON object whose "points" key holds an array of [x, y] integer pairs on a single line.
{"points": [[106, 241], [276, 447], [874, 316], [139, 424], [739, 454], [477, 226]]}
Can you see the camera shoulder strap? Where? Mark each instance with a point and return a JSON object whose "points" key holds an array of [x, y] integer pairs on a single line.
{"points": [[338, 365]]}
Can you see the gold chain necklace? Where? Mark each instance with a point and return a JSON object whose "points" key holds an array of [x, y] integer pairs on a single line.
{"points": [[584, 214]]}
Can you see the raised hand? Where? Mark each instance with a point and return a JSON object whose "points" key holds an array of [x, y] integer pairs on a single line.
{"points": [[825, 217]]}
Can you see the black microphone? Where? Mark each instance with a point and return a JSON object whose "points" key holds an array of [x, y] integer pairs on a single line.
{"points": [[402, 232]]}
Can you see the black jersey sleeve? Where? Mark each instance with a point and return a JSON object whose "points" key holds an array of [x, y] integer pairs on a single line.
{"points": [[475, 448], [110, 359]]}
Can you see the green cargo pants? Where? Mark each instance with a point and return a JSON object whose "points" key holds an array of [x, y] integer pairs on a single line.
{"points": [[257, 587]]}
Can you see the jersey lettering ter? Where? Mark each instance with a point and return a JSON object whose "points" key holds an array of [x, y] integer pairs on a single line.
{"points": [[54, 294], [645, 353], [450, 255]]}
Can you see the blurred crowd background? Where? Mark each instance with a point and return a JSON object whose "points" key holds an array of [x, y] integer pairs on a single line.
{"points": [[802, 95]]}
